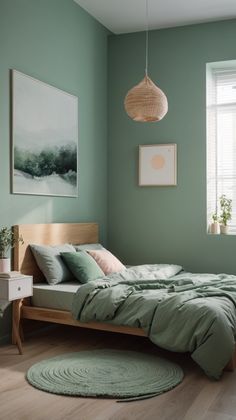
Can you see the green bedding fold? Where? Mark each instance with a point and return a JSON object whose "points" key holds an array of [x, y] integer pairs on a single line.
{"points": [[180, 311]]}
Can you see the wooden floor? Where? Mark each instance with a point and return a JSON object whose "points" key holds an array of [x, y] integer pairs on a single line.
{"points": [[195, 398]]}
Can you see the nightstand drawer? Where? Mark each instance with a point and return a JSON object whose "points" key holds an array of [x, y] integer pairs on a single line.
{"points": [[18, 288]]}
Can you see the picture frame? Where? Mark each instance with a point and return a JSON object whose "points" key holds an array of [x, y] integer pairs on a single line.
{"points": [[158, 165], [44, 138]]}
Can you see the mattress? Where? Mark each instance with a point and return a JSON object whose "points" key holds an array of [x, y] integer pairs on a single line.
{"points": [[57, 296]]}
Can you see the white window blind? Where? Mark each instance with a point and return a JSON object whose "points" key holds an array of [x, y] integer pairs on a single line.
{"points": [[221, 137]]}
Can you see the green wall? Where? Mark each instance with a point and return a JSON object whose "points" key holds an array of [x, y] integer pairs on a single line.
{"points": [[59, 43], [165, 224]]}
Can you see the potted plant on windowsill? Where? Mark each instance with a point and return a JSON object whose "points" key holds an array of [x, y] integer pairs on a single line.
{"points": [[214, 228], [226, 213], [7, 241]]}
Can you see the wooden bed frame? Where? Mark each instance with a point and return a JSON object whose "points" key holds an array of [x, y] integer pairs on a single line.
{"points": [[55, 234]]}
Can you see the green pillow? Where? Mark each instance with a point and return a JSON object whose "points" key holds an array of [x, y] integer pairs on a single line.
{"points": [[82, 265], [49, 261]]}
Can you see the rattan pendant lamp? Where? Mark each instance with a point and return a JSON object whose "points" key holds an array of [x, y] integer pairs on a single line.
{"points": [[146, 102]]}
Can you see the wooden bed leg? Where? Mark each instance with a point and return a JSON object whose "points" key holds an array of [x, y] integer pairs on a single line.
{"points": [[21, 333], [231, 365], [16, 317]]}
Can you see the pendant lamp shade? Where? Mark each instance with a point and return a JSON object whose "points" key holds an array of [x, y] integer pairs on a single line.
{"points": [[146, 102]]}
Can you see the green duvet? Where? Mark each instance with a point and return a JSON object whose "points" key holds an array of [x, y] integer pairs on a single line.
{"points": [[180, 311]]}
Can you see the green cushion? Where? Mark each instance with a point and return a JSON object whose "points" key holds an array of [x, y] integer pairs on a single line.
{"points": [[50, 263], [82, 265]]}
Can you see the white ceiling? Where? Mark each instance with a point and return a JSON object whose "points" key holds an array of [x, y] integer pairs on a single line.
{"points": [[122, 16]]}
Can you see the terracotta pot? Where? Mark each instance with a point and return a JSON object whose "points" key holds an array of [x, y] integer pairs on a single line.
{"points": [[224, 229], [214, 228], [5, 265]]}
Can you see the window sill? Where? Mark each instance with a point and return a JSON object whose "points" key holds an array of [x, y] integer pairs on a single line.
{"points": [[222, 234]]}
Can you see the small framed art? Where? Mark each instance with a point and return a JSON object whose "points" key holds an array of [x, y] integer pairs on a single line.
{"points": [[158, 165]]}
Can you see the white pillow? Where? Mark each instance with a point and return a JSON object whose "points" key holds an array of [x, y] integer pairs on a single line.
{"points": [[87, 247]]}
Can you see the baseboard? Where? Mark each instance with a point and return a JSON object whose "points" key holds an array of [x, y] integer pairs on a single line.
{"points": [[6, 339], [40, 330]]}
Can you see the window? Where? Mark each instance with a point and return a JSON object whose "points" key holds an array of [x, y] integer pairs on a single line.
{"points": [[221, 137]]}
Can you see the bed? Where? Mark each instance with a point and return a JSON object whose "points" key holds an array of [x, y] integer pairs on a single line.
{"points": [[23, 260], [55, 234]]}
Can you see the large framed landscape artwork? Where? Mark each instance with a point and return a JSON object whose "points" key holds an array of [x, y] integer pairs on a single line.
{"points": [[44, 138]]}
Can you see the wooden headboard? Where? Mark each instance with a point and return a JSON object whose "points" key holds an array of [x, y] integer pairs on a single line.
{"points": [[48, 234]]}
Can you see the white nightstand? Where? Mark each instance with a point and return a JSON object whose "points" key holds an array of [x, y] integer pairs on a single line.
{"points": [[15, 290]]}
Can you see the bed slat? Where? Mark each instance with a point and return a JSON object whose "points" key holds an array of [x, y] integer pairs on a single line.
{"points": [[64, 317]]}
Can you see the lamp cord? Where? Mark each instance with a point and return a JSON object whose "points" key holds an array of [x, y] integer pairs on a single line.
{"points": [[147, 28]]}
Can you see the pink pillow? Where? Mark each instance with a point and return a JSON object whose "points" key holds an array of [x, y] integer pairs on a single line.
{"points": [[106, 261]]}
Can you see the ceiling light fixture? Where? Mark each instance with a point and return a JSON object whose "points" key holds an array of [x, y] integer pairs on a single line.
{"points": [[146, 102]]}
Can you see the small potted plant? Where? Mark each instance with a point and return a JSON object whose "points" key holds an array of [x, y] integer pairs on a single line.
{"points": [[7, 241], [215, 224], [226, 213]]}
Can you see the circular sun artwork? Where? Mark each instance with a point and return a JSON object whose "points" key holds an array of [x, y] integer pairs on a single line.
{"points": [[158, 162]]}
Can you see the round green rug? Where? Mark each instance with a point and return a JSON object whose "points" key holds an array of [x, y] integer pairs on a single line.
{"points": [[106, 373]]}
